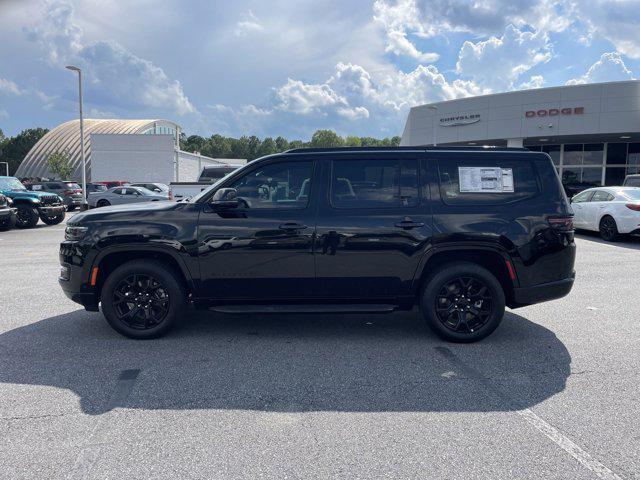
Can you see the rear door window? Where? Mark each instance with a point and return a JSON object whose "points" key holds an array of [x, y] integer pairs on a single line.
{"points": [[484, 179], [374, 183], [601, 196]]}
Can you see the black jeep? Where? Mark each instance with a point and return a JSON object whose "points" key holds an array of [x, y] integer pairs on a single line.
{"points": [[461, 232]]}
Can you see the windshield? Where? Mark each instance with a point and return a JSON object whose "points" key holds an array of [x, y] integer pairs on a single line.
{"points": [[8, 183], [205, 192], [632, 194]]}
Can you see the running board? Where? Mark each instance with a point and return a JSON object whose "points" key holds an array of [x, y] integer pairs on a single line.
{"points": [[347, 308]]}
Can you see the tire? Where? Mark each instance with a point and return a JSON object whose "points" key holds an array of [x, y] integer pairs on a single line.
{"points": [[166, 299], [53, 220], [7, 224], [71, 208], [103, 203], [27, 216], [463, 302], [608, 229]]}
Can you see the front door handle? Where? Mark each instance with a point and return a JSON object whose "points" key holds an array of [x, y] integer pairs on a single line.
{"points": [[408, 224], [292, 226]]}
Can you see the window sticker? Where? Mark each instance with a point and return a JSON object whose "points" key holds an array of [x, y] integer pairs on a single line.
{"points": [[485, 179]]}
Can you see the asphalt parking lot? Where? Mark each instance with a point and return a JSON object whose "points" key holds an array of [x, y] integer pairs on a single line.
{"points": [[553, 393]]}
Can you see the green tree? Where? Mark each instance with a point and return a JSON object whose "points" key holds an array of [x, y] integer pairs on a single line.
{"points": [[282, 144], [253, 145], [14, 149], [194, 143], [267, 147], [58, 163], [326, 139], [296, 144], [352, 141], [218, 147]]}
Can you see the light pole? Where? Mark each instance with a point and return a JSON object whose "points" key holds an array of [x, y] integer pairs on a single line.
{"points": [[434, 109], [84, 165]]}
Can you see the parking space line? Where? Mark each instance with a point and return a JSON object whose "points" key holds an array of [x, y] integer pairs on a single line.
{"points": [[552, 433], [91, 452]]}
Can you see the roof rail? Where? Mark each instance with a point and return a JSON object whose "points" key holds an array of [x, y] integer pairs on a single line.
{"points": [[423, 148]]}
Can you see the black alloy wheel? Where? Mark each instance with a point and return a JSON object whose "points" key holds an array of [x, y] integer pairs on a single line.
{"points": [[609, 229], [141, 301], [27, 216], [464, 304], [103, 203], [53, 220]]}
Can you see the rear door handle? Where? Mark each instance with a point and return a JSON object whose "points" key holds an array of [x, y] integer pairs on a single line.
{"points": [[408, 224], [291, 226]]}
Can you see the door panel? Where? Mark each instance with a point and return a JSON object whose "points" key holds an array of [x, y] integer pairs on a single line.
{"points": [[264, 249], [372, 227]]}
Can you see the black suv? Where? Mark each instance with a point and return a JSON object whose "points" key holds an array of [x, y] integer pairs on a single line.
{"points": [[462, 232]]}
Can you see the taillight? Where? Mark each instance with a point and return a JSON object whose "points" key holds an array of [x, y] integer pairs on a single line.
{"points": [[561, 224], [68, 192], [634, 206]]}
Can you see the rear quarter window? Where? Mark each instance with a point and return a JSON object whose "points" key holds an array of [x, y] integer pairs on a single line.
{"points": [[522, 172]]}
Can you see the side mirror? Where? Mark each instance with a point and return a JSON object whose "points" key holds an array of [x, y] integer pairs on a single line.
{"points": [[225, 198]]}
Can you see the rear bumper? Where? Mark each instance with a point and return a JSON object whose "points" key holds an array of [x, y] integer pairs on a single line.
{"points": [[542, 292]]}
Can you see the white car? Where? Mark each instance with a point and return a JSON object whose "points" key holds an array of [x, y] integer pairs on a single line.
{"points": [[612, 211]]}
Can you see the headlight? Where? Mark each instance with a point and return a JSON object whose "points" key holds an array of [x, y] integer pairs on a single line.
{"points": [[74, 233], [9, 202]]}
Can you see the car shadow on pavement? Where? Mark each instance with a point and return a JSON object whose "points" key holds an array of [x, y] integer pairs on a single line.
{"points": [[288, 363], [627, 241]]}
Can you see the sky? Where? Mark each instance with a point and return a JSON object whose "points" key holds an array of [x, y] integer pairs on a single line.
{"points": [[289, 67]]}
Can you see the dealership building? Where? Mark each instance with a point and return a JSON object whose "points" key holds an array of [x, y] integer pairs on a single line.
{"points": [[119, 149], [592, 132]]}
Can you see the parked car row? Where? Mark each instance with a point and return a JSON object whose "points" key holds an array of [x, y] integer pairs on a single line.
{"points": [[23, 208]]}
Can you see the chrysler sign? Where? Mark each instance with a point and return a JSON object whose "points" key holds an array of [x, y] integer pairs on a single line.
{"points": [[461, 119], [552, 112]]}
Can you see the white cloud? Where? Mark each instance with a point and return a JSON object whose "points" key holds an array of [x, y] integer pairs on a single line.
{"points": [[609, 68], [249, 25], [4, 114], [615, 20], [536, 81], [399, 21], [305, 98], [116, 76], [353, 113], [497, 63], [7, 86]]}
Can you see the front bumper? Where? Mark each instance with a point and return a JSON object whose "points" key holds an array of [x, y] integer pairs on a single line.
{"points": [[74, 276], [543, 292], [51, 211]]}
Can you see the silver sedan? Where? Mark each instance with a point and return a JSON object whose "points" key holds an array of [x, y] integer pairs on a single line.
{"points": [[123, 195]]}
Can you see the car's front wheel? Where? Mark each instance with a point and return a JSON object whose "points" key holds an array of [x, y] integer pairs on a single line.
{"points": [[53, 220], [27, 216], [103, 203], [143, 299], [463, 302], [609, 229]]}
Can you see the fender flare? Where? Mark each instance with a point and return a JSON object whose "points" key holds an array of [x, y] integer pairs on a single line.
{"points": [[492, 247], [146, 248]]}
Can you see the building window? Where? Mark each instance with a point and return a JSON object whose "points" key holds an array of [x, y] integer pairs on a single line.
{"points": [[592, 154], [617, 153], [554, 153], [633, 160], [614, 176], [573, 154]]}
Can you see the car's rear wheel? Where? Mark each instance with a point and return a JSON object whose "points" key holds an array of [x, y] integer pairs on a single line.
{"points": [[142, 299], [609, 229], [103, 203], [27, 216], [463, 302], [53, 220]]}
